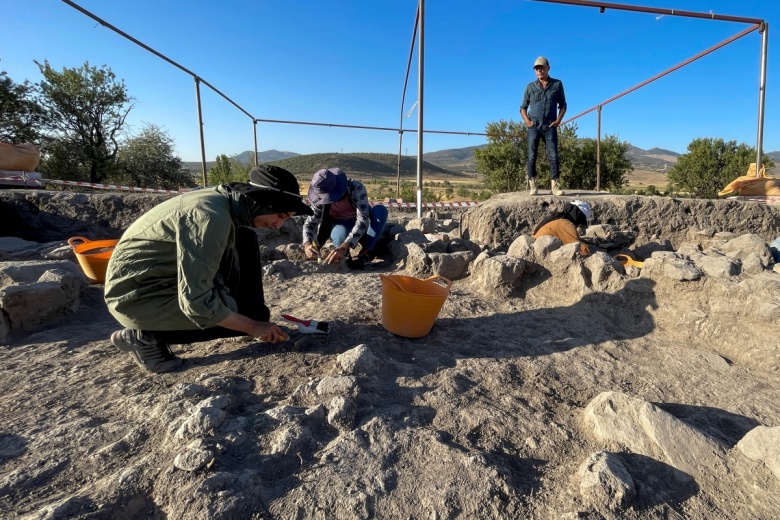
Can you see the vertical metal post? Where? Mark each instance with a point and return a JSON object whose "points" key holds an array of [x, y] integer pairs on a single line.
{"points": [[420, 111], [761, 93], [254, 128], [598, 149], [200, 129]]}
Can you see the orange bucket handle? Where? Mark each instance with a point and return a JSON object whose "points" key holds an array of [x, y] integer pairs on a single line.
{"points": [[77, 241], [387, 279], [627, 260]]}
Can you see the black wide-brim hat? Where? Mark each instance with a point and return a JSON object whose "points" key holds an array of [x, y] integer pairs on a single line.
{"points": [[282, 182]]}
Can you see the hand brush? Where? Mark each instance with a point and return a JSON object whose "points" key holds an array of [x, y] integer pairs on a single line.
{"points": [[308, 326]]}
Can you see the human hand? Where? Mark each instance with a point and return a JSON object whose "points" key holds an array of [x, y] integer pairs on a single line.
{"points": [[269, 332], [311, 251], [337, 255], [529, 123], [555, 124]]}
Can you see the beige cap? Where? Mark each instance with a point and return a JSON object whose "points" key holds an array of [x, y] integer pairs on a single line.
{"points": [[541, 60]]}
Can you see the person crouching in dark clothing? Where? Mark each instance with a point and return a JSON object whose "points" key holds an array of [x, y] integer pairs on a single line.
{"points": [[563, 224]]}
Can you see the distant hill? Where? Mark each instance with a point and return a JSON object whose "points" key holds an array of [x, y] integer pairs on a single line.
{"points": [[266, 156], [359, 164], [244, 158], [455, 161], [654, 159], [774, 155]]}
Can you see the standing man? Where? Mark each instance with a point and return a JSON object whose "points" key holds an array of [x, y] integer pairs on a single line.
{"points": [[542, 109]]}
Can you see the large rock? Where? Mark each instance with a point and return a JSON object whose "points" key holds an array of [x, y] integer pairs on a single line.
{"points": [[45, 216], [35, 293], [643, 428], [502, 218]]}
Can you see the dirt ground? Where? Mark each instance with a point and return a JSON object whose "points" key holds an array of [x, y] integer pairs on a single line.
{"points": [[482, 418]]}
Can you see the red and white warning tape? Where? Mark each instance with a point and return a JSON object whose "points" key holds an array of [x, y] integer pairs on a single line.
{"points": [[390, 204], [111, 186]]}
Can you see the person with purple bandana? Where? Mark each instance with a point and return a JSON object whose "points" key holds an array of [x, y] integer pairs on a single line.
{"points": [[343, 214]]}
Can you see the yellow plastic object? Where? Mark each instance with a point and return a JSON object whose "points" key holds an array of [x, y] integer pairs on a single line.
{"points": [[752, 184], [93, 256], [627, 260], [410, 305]]}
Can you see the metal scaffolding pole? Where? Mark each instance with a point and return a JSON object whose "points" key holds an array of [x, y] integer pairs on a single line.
{"points": [[764, 30], [420, 111]]}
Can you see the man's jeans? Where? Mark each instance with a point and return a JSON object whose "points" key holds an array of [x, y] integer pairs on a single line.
{"points": [[550, 136], [341, 228]]}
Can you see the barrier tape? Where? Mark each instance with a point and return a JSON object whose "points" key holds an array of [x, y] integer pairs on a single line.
{"points": [[391, 204], [110, 186]]}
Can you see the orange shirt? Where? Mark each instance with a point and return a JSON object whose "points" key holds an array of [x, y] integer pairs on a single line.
{"points": [[564, 231]]}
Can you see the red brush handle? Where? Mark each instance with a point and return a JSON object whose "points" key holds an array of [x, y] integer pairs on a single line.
{"points": [[296, 320]]}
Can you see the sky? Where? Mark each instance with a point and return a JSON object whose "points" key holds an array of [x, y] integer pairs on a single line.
{"points": [[344, 62]]}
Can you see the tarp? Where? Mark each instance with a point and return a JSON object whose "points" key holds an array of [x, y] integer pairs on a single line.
{"points": [[19, 157], [751, 184]]}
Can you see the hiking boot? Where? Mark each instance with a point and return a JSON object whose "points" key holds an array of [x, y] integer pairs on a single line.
{"points": [[556, 188], [147, 353], [534, 186]]}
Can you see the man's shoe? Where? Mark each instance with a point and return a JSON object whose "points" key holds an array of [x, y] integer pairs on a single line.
{"points": [[147, 353], [534, 186], [556, 189]]}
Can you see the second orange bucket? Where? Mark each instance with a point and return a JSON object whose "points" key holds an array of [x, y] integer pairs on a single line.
{"points": [[93, 256], [410, 305]]}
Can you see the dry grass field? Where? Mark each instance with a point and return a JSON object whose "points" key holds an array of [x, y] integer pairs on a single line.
{"points": [[645, 178]]}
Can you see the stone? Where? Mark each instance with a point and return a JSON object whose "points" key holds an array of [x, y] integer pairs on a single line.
{"points": [[643, 428], [605, 481], [341, 413], [359, 360], [762, 443]]}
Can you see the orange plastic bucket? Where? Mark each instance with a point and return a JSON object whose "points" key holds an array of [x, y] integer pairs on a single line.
{"points": [[93, 256], [410, 305]]}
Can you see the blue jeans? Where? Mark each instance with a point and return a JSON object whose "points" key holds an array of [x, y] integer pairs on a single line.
{"points": [[341, 228], [550, 135]]}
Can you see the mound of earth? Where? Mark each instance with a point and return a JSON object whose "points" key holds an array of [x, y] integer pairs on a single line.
{"points": [[550, 386]]}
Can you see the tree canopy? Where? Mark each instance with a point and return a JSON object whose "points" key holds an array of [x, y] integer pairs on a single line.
{"points": [[86, 109], [502, 163], [710, 165], [149, 160], [21, 116]]}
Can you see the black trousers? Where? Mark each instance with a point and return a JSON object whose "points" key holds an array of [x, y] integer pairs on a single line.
{"points": [[242, 275]]}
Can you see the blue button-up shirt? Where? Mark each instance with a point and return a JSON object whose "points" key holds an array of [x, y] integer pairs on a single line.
{"points": [[542, 104]]}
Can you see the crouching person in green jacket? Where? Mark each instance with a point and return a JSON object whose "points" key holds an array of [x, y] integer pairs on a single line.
{"points": [[189, 269]]}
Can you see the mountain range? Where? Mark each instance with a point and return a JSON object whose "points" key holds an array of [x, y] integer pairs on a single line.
{"points": [[455, 161]]}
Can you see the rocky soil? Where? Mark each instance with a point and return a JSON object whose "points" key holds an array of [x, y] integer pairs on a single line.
{"points": [[550, 386]]}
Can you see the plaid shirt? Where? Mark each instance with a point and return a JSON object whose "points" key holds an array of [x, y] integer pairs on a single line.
{"points": [[359, 198]]}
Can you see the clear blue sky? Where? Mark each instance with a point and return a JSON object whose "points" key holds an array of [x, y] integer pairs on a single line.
{"points": [[344, 61]]}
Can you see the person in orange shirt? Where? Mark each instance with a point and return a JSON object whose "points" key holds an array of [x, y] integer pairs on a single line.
{"points": [[563, 224]]}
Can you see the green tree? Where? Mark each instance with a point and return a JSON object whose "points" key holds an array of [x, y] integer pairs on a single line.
{"points": [[501, 162], [409, 193], [228, 170], [710, 165], [149, 160], [578, 161], [86, 109], [21, 116]]}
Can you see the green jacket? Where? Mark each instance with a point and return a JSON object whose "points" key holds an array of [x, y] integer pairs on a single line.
{"points": [[163, 272]]}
